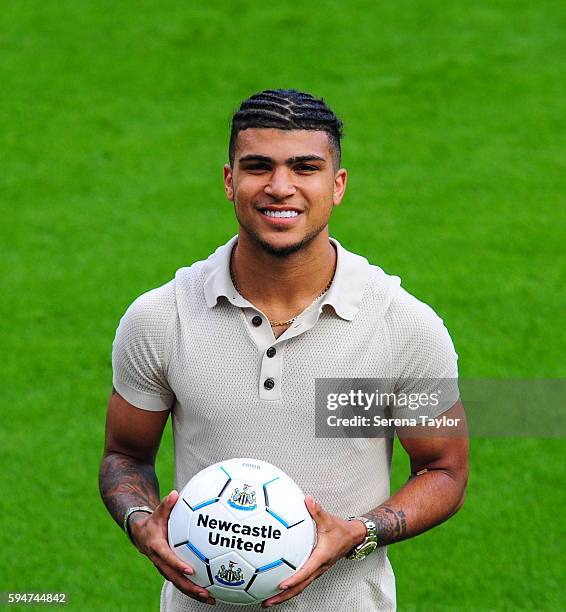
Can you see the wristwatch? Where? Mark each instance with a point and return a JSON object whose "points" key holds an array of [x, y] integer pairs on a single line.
{"points": [[129, 513], [361, 551]]}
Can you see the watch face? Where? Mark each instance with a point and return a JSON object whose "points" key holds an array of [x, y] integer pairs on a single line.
{"points": [[365, 550]]}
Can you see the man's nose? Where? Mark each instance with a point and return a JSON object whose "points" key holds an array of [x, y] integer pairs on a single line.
{"points": [[280, 184]]}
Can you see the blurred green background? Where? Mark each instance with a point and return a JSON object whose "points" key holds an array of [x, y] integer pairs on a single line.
{"points": [[113, 132]]}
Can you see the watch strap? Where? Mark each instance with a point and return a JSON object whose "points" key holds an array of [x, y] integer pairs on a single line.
{"points": [[129, 513], [370, 543]]}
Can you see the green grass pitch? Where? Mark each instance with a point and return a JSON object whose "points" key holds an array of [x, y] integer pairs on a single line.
{"points": [[113, 131]]}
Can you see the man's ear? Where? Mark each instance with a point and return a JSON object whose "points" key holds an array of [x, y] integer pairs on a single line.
{"points": [[340, 180], [228, 182]]}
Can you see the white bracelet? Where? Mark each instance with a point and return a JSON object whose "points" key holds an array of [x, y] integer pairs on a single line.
{"points": [[129, 513]]}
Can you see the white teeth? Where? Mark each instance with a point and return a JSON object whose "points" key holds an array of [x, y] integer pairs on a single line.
{"points": [[281, 213]]}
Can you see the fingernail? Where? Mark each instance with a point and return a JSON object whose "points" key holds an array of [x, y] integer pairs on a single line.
{"points": [[283, 587], [188, 570]]}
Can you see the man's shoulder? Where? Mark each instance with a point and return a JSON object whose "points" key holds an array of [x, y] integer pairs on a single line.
{"points": [[411, 322], [400, 308], [384, 295], [152, 307]]}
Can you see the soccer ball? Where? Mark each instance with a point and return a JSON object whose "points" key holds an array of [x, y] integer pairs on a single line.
{"points": [[243, 526]]}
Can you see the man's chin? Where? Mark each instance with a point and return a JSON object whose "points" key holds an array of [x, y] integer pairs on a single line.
{"points": [[281, 246], [280, 250]]}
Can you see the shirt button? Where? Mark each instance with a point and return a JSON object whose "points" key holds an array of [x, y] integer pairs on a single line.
{"points": [[269, 383], [257, 321], [271, 351]]}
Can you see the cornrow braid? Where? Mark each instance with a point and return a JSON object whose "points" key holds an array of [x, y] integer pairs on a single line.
{"points": [[286, 109]]}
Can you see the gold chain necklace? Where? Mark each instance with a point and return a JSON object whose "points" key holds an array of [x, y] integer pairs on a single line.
{"points": [[278, 323]]}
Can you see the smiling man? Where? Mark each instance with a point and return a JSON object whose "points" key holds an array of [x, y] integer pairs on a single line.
{"points": [[231, 348], [284, 185]]}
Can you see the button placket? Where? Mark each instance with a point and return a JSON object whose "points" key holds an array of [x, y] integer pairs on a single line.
{"points": [[259, 328], [271, 371]]}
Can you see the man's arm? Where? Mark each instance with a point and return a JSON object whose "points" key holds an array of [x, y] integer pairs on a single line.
{"points": [[433, 493], [127, 478], [436, 488]]}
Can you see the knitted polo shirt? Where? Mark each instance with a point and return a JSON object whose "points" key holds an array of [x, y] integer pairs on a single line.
{"points": [[196, 347]]}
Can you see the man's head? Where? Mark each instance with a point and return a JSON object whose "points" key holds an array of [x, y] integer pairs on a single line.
{"points": [[284, 175], [287, 109]]}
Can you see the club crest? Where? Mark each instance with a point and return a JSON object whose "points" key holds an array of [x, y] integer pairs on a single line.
{"points": [[231, 576], [243, 499]]}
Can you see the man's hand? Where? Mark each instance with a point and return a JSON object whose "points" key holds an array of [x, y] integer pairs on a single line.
{"points": [[336, 537], [149, 534]]}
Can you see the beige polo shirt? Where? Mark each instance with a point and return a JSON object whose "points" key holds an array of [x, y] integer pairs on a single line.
{"points": [[197, 347]]}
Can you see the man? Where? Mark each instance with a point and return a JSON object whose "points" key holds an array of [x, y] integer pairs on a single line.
{"points": [[232, 347]]}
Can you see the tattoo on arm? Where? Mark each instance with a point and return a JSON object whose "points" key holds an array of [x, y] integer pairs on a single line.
{"points": [[391, 524], [125, 482]]}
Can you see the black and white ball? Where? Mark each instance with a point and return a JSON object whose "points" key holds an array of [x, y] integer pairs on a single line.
{"points": [[243, 526]]}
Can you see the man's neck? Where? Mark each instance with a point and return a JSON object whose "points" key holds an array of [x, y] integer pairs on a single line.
{"points": [[283, 286]]}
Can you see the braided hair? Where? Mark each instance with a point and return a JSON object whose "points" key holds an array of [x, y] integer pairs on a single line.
{"points": [[286, 109]]}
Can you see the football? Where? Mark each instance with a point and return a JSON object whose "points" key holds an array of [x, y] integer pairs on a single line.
{"points": [[243, 526]]}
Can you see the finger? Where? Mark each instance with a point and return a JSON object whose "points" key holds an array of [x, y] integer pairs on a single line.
{"points": [[182, 583], [163, 511], [316, 560], [164, 552], [319, 515], [293, 591]]}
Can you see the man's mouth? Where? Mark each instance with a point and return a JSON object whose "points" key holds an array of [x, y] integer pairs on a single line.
{"points": [[280, 214]]}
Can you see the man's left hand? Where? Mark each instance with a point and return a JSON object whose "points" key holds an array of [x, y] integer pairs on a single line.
{"points": [[336, 537]]}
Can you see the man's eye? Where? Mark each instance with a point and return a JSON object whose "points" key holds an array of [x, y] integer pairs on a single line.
{"points": [[306, 168], [257, 168]]}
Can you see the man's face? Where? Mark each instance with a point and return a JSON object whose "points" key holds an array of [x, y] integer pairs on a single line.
{"points": [[284, 186]]}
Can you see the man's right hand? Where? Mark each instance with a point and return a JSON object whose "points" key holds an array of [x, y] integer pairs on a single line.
{"points": [[149, 534]]}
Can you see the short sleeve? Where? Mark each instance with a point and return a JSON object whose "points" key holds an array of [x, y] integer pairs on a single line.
{"points": [[140, 350], [424, 361]]}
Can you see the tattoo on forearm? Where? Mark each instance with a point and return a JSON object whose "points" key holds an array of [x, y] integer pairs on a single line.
{"points": [[391, 524], [125, 482]]}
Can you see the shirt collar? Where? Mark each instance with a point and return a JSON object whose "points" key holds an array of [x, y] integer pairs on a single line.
{"points": [[345, 294]]}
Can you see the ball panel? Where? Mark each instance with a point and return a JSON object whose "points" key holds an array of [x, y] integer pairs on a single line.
{"points": [[231, 571], [243, 498], [300, 542], [253, 469], [270, 545], [179, 523], [266, 582], [233, 596], [286, 500], [210, 530], [205, 486], [193, 557]]}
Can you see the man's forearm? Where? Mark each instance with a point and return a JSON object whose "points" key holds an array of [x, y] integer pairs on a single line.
{"points": [[423, 502], [126, 482]]}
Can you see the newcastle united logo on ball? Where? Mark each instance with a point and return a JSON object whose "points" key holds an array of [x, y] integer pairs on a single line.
{"points": [[243, 499], [231, 576]]}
